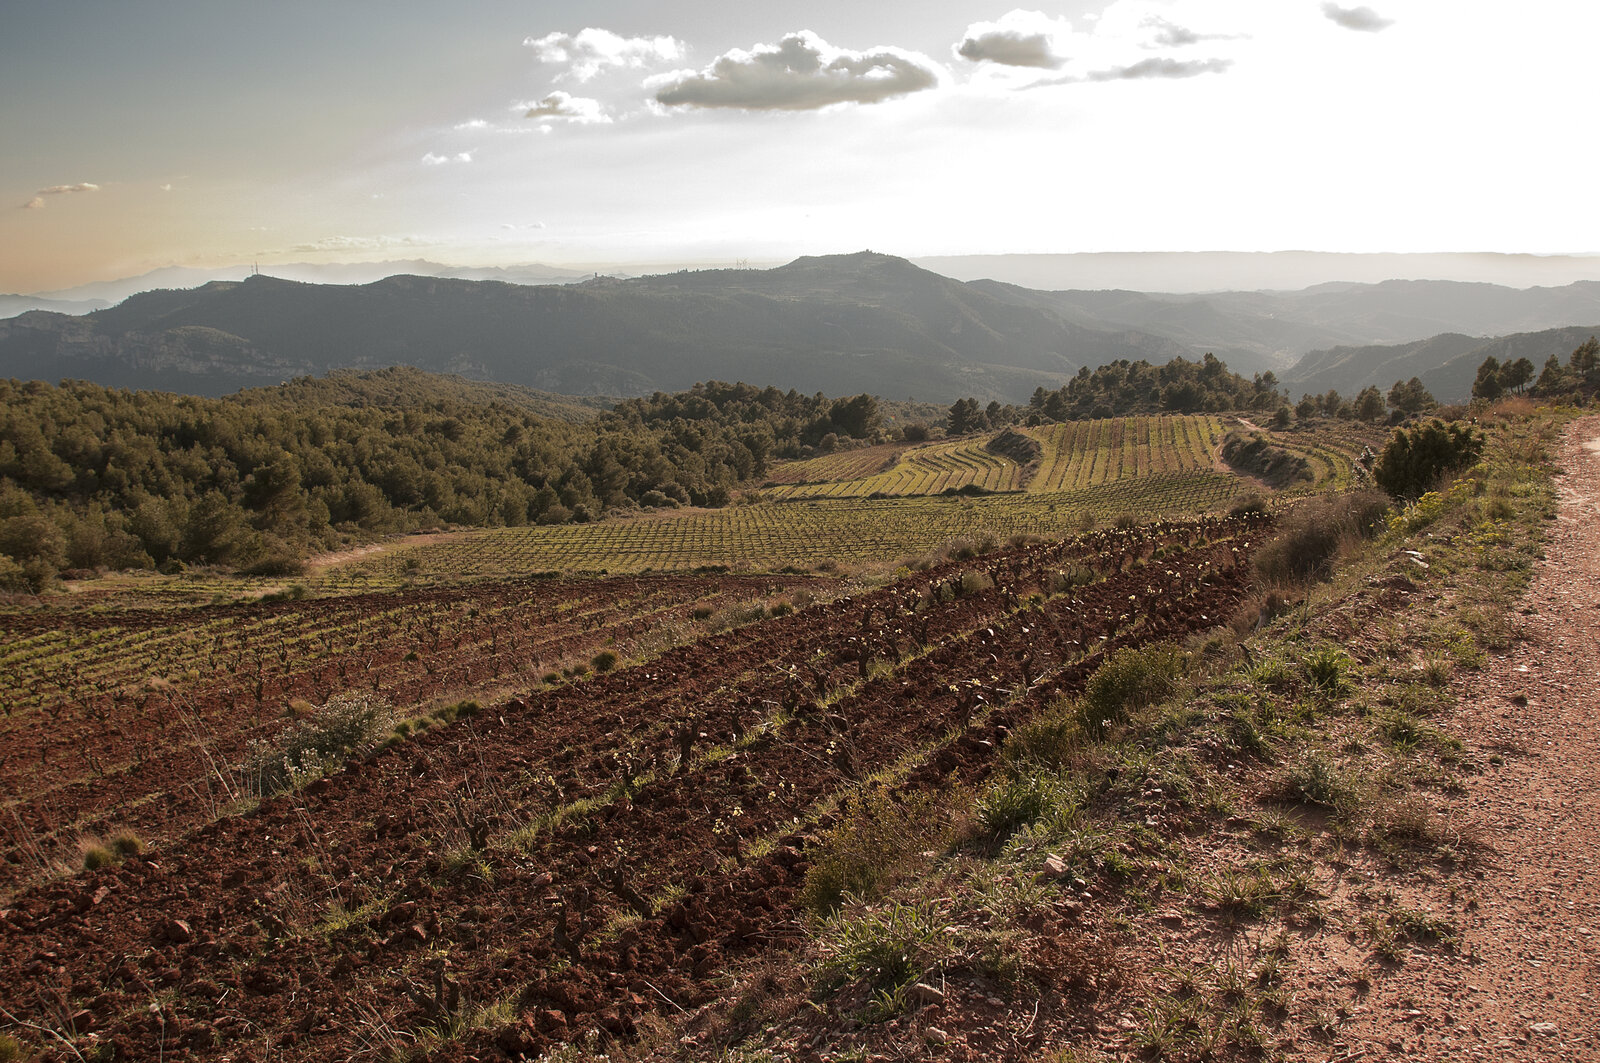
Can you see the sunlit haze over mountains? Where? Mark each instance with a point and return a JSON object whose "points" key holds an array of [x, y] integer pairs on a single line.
{"points": [[183, 133]]}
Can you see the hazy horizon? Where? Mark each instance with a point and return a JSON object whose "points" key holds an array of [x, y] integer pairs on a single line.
{"points": [[187, 133], [1155, 271]]}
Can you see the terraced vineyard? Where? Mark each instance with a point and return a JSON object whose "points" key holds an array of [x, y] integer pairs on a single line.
{"points": [[829, 468], [588, 856], [1079, 454], [923, 470], [796, 535], [1332, 448]]}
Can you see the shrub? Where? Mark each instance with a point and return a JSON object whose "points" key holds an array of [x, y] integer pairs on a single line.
{"points": [[889, 949], [1316, 781], [966, 549], [868, 848], [10, 1048], [1064, 579], [1255, 454], [1132, 679], [657, 499], [1415, 459], [1245, 504], [737, 614], [1327, 669], [1419, 514], [1311, 537], [1016, 803], [347, 723], [1046, 742], [96, 856], [464, 710], [603, 661], [126, 844], [974, 582], [275, 565]]}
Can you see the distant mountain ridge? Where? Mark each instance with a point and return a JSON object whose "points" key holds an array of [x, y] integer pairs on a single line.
{"points": [[840, 324], [1446, 364], [12, 305], [96, 295], [1254, 330], [1235, 271]]}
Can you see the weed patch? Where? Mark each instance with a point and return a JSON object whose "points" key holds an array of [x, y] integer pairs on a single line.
{"points": [[346, 724]]}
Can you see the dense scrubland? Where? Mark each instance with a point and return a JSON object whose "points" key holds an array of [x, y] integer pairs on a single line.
{"points": [[93, 477]]}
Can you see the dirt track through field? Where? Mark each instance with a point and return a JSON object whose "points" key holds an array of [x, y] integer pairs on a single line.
{"points": [[1524, 983]]}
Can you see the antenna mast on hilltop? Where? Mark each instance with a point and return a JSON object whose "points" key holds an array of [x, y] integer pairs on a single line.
{"points": [[255, 269]]}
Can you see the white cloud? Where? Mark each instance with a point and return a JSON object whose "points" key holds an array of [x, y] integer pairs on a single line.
{"points": [[578, 110], [1165, 33], [1362, 19], [800, 72], [525, 227], [358, 243], [1115, 46], [1161, 68], [1018, 38], [38, 200], [431, 159], [591, 50], [475, 123]]}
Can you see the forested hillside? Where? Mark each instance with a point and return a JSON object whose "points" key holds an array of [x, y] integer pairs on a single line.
{"points": [[1123, 387], [96, 477]]}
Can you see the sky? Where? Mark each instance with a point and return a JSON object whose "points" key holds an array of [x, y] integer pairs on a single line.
{"points": [[178, 132]]}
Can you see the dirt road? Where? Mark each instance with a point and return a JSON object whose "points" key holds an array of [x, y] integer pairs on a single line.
{"points": [[1524, 982]]}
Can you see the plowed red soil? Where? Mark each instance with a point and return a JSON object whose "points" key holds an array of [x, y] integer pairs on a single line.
{"points": [[499, 861], [119, 748]]}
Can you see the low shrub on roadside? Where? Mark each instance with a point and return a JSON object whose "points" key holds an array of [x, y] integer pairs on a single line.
{"points": [[1416, 459]]}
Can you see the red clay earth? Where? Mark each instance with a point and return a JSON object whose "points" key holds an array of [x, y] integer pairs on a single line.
{"points": [[389, 899], [112, 750]]}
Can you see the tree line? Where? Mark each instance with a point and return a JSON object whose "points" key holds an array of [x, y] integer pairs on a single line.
{"points": [[93, 477], [1122, 388], [1581, 375]]}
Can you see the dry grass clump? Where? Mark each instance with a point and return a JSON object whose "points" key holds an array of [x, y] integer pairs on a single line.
{"points": [[1313, 535], [95, 853], [872, 846]]}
